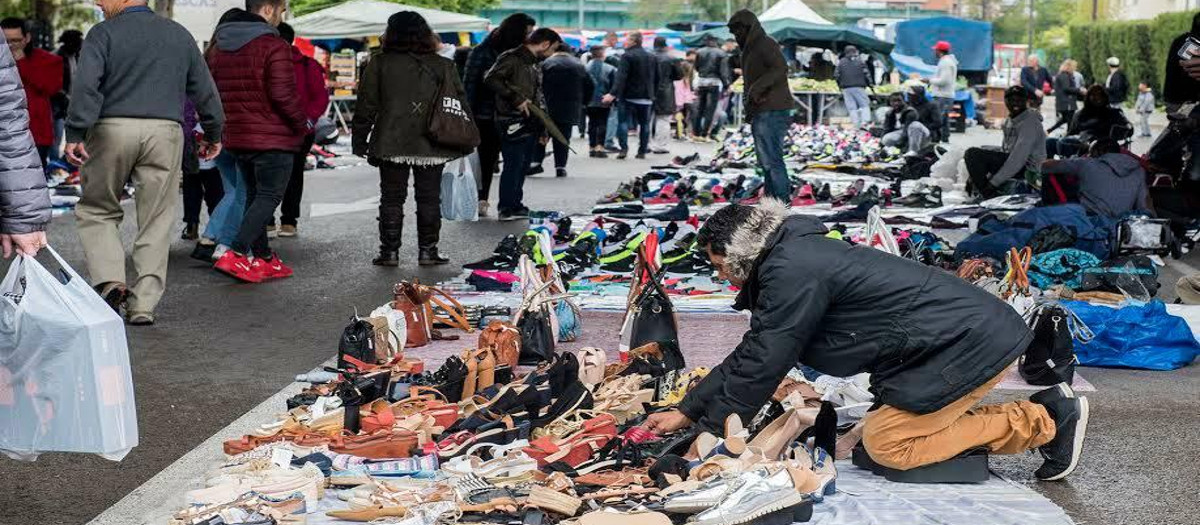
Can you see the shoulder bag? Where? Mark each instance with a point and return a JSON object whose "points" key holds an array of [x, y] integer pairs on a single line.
{"points": [[451, 124]]}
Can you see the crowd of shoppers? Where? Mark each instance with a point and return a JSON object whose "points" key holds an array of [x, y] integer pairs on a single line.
{"points": [[235, 138]]}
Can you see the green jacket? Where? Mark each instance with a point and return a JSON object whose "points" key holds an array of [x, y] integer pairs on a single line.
{"points": [[395, 96]]}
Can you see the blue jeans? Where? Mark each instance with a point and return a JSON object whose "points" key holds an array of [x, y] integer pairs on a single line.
{"points": [[634, 115], [858, 104], [225, 220], [769, 129], [516, 152], [610, 133]]}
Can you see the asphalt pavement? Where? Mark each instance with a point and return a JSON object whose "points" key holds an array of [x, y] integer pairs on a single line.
{"points": [[221, 348]]}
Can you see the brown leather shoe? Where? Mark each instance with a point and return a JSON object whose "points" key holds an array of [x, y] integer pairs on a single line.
{"points": [[380, 445]]}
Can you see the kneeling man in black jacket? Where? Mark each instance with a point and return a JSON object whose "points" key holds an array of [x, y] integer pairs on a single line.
{"points": [[933, 344]]}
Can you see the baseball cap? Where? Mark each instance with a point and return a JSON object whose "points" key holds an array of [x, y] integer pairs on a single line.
{"points": [[1114, 61], [942, 45]]}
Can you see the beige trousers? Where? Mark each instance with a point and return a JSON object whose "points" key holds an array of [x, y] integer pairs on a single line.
{"points": [[149, 153], [905, 440]]}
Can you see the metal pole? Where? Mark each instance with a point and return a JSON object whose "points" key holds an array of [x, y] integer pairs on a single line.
{"points": [[728, 9], [581, 19]]}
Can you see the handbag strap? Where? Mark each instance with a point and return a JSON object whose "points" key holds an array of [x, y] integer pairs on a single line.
{"points": [[452, 308]]}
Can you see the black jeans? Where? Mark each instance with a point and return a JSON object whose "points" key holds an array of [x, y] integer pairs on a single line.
{"points": [[707, 99], [266, 175], [203, 187], [560, 150], [289, 210], [597, 125], [393, 191], [512, 179], [981, 165], [630, 115], [489, 155]]}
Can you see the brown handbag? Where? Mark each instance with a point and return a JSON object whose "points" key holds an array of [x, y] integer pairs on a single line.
{"points": [[413, 302], [504, 340], [385, 339], [416, 302]]}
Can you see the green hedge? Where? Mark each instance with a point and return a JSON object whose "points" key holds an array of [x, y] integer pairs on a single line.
{"points": [[1141, 45]]}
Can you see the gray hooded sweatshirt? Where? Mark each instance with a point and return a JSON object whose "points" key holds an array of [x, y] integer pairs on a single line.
{"points": [[1025, 144], [1110, 185]]}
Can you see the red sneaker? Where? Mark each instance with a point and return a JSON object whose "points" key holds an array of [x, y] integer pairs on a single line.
{"points": [[239, 267], [272, 268]]}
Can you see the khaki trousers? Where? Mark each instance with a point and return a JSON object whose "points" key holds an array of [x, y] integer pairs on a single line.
{"points": [[905, 440], [148, 152]]}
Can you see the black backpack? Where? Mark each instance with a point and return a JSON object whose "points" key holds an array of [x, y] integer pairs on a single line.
{"points": [[356, 349], [1050, 358]]}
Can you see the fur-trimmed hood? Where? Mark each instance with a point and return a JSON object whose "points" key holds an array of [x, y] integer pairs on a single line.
{"points": [[761, 231]]}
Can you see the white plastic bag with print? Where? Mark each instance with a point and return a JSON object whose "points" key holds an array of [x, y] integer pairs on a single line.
{"points": [[460, 198], [65, 384]]}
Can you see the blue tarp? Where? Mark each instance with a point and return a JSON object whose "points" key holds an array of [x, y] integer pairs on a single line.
{"points": [[970, 41]]}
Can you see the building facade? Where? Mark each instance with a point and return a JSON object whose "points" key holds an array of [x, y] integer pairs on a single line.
{"points": [[1147, 9]]}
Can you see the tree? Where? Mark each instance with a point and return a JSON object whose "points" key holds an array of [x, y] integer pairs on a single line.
{"points": [[303, 7]]}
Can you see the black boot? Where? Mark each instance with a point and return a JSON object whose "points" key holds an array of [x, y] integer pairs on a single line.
{"points": [[389, 242], [428, 256]]}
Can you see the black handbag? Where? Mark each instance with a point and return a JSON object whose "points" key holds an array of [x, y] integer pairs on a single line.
{"points": [[1130, 274], [537, 337], [1050, 358], [650, 317], [451, 124], [356, 348]]}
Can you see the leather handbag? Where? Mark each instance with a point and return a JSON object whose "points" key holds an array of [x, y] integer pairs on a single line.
{"points": [[387, 343], [451, 124], [356, 348], [1050, 358], [416, 302], [649, 316], [535, 320], [504, 340]]}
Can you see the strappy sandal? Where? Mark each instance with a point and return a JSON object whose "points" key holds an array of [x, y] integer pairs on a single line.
{"points": [[591, 365], [552, 501]]}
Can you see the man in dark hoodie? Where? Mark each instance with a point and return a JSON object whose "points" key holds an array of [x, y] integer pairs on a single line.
{"points": [[266, 126], [1111, 183], [768, 99], [934, 345], [124, 123]]}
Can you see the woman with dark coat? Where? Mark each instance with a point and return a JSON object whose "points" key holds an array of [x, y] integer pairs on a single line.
{"points": [[390, 124], [1066, 94], [510, 34], [568, 87]]}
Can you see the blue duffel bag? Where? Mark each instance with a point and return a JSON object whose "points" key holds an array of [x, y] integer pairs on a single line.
{"points": [[1135, 336]]}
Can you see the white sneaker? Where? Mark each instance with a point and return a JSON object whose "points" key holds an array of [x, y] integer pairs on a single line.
{"points": [[483, 208], [219, 251]]}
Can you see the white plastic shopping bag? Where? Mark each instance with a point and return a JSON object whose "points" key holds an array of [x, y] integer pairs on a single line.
{"points": [[65, 384], [460, 198]]}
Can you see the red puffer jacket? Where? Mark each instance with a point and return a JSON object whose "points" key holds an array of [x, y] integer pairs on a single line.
{"points": [[253, 70]]}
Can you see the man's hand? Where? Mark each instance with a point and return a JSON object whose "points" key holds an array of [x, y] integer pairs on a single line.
{"points": [[524, 108], [209, 150], [607, 99], [26, 243], [666, 422], [76, 153], [544, 139], [1192, 67], [1039, 93]]}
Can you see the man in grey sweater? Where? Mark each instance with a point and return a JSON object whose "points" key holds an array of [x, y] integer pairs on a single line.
{"points": [[1022, 154], [24, 201], [125, 124]]}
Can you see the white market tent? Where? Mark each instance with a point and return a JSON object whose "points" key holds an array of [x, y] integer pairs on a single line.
{"points": [[367, 18], [795, 10]]}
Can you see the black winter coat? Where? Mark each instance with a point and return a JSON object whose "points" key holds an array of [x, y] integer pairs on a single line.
{"points": [[395, 98], [637, 75], [712, 62], [927, 337], [516, 78], [1118, 88], [763, 68], [479, 95], [669, 70], [1066, 93], [928, 114], [567, 86]]}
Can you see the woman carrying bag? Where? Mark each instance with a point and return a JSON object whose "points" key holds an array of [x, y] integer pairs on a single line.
{"points": [[402, 87]]}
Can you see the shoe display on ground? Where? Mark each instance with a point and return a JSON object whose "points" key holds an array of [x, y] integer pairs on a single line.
{"points": [[753, 495], [921, 197], [504, 257]]}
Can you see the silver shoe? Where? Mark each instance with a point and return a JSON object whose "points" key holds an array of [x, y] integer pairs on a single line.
{"points": [[759, 494], [703, 498]]}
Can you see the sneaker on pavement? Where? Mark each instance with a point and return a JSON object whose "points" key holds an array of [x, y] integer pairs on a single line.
{"points": [[514, 215], [1053, 394], [204, 252], [272, 231], [1062, 453], [272, 268], [483, 208], [239, 267], [287, 230], [114, 294]]}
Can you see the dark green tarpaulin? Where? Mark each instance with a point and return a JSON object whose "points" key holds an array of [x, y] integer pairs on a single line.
{"points": [[788, 31]]}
